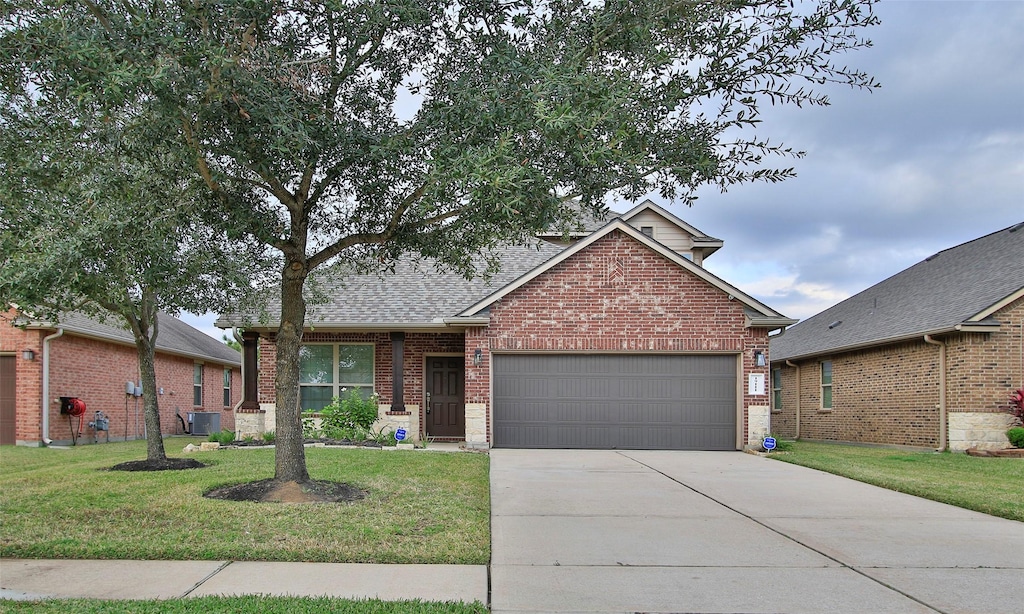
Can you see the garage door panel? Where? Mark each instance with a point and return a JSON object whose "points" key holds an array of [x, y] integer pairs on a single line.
{"points": [[615, 401]]}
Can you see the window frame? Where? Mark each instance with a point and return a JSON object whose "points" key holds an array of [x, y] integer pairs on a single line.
{"points": [[644, 229], [337, 386], [827, 386], [777, 389], [227, 386], [197, 386]]}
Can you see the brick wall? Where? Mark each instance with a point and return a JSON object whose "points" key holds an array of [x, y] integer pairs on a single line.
{"points": [[96, 371], [890, 394], [615, 296]]}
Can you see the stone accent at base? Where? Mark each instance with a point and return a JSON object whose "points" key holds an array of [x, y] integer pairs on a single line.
{"points": [[250, 424], [759, 423], [476, 425], [982, 430], [409, 421]]}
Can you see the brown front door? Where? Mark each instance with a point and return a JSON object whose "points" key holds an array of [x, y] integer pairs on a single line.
{"points": [[7, 386], [446, 409]]}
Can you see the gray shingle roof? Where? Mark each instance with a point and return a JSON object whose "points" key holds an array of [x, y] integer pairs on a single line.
{"points": [[174, 336], [414, 294], [950, 288]]}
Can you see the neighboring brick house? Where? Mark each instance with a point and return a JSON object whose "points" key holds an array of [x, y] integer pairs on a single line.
{"points": [[928, 357], [614, 338], [81, 357]]}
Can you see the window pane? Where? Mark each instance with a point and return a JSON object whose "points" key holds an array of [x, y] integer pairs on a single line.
{"points": [[315, 364], [826, 397], [826, 373], [197, 395], [227, 378], [778, 399], [197, 374], [355, 364], [315, 398]]}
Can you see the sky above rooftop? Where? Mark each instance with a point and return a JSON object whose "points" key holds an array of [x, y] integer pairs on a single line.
{"points": [[932, 159]]}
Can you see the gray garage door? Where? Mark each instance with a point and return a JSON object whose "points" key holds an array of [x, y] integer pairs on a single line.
{"points": [[632, 402]]}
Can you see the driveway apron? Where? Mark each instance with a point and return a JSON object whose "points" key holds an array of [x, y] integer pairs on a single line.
{"points": [[638, 531]]}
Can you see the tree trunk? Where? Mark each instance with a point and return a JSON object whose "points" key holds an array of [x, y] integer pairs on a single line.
{"points": [[290, 463], [147, 370]]}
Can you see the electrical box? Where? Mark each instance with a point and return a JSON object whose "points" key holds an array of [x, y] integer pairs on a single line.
{"points": [[204, 422]]}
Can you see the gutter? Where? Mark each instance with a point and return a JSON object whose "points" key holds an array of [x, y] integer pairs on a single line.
{"points": [[797, 367], [46, 384], [943, 444]]}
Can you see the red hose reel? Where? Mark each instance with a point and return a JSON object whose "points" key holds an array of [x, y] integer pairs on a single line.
{"points": [[70, 407]]}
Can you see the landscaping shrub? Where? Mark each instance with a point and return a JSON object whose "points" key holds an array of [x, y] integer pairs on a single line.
{"points": [[269, 436], [1016, 436], [222, 437], [349, 417]]}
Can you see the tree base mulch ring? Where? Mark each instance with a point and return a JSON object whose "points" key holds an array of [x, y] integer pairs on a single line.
{"points": [[167, 464], [275, 491]]}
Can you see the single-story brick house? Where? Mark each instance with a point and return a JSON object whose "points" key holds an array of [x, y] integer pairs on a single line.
{"points": [[928, 357], [614, 338], [40, 362]]}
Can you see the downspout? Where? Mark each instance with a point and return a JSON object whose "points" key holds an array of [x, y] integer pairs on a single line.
{"points": [[46, 384], [942, 391], [241, 397], [797, 367]]}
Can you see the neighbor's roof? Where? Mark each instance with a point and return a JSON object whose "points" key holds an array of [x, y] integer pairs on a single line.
{"points": [[173, 336], [415, 295], [959, 288]]}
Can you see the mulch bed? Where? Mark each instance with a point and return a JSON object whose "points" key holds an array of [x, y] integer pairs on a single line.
{"points": [[1005, 453], [167, 464], [257, 443], [274, 491]]}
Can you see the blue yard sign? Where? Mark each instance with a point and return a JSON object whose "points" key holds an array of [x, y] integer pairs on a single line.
{"points": [[400, 435], [769, 443]]}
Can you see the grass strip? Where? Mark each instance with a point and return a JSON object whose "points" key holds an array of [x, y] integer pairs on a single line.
{"points": [[421, 507], [993, 486], [217, 605]]}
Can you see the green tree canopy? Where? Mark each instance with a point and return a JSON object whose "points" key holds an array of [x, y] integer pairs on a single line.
{"points": [[360, 130]]}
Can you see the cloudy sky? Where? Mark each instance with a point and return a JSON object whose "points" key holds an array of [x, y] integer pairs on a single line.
{"points": [[932, 159]]}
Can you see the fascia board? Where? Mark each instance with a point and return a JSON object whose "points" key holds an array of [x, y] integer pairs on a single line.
{"points": [[988, 311]]}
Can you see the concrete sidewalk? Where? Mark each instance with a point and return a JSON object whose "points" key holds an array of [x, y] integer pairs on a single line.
{"points": [[25, 579]]}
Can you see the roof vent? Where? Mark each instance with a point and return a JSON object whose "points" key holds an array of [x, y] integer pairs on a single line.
{"points": [[1016, 227], [834, 324]]}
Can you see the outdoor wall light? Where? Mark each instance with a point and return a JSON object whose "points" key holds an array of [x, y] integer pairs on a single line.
{"points": [[759, 358], [478, 357], [28, 354]]}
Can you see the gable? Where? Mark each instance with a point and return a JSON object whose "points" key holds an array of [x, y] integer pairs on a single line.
{"points": [[618, 287]]}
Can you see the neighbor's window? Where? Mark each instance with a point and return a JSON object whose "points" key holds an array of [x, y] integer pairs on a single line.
{"points": [[197, 384], [328, 370], [227, 387], [777, 389], [826, 384]]}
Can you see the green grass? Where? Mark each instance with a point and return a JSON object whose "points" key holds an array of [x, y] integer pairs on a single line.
{"points": [[422, 507], [216, 605], [991, 485]]}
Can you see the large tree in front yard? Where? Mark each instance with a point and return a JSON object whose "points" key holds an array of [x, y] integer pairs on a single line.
{"points": [[359, 130]]}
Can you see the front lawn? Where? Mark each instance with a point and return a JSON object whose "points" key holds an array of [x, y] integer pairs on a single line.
{"points": [[991, 485], [421, 507]]}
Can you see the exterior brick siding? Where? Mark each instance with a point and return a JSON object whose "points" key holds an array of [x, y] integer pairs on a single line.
{"points": [[891, 394], [96, 372]]}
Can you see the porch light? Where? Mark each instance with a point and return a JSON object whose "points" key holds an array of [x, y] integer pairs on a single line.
{"points": [[28, 354], [478, 357], [759, 358]]}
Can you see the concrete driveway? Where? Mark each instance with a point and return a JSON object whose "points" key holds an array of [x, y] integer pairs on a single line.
{"points": [[626, 531]]}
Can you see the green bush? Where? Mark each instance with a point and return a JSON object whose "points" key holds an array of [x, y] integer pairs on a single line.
{"points": [[222, 437], [269, 436], [1016, 436], [349, 417]]}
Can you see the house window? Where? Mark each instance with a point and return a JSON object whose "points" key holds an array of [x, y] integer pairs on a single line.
{"points": [[777, 389], [648, 230], [227, 387], [328, 370], [826, 384], [197, 384]]}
